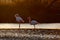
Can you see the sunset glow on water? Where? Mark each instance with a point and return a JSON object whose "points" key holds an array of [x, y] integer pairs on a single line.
{"points": [[10, 2]]}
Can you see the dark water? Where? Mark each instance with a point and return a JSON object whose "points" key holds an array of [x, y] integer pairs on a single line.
{"points": [[42, 11]]}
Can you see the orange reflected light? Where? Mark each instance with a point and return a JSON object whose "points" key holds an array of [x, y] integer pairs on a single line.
{"points": [[6, 2]]}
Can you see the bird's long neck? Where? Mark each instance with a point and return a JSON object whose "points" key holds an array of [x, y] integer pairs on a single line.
{"points": [[29, 19]]}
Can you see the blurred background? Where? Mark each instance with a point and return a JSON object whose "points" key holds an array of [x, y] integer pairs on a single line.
{"points": [[44, 11]]}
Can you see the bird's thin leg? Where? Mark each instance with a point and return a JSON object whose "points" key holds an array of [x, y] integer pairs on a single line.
{"points": [[19, 25], [34, 26]]}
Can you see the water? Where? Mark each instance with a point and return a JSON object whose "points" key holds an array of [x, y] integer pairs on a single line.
{"points": [[29, 34]]}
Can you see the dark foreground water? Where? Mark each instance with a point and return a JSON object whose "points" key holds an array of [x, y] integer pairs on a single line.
{"points": [[29, 34]]}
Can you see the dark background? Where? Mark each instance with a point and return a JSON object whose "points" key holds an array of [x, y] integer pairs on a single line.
{"points": [[40, 10]]}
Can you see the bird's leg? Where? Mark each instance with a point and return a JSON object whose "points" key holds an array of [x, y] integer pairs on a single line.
{"points": [[34, 27], [19, 25]]}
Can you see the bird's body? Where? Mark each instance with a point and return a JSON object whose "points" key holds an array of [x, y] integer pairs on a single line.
{"points": [[18, 18], [33, 22]]}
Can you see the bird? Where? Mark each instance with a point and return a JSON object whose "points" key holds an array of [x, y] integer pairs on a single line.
{"points": [[32, 22], [19, 19]]}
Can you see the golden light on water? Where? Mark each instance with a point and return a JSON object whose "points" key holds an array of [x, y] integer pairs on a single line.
{"points": [[14, 1], [4, 2]]}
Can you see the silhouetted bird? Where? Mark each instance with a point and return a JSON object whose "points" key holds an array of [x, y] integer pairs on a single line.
{"points": [[18, 19], [32, 22]]}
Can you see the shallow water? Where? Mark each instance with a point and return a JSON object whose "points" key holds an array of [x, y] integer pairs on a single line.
{"points": [[40, 34]]}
